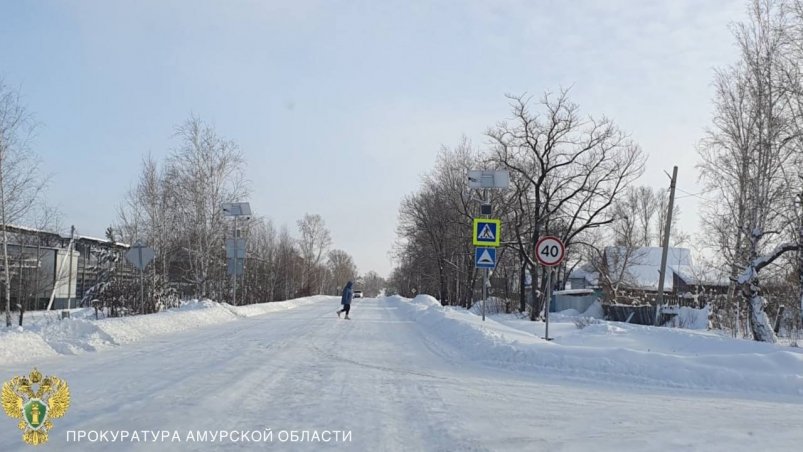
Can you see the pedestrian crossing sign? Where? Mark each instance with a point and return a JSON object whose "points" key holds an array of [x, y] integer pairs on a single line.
{"points": [[485, 257], [487, 232]]}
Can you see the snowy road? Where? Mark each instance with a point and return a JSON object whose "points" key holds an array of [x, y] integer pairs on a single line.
{"points": [[394, 385]]}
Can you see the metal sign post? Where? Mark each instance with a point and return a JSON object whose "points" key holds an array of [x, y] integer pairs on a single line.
{"points": [[548, 303], [487, 232], [234, 294], [487, 235], [141, 284], [485, 258], [140, 256], [550, 252], [233, 248]]}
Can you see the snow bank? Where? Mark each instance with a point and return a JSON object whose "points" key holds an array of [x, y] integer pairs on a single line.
{"points": [[44, 334], [614, 352], [494, 305], [686, 317], [595, 311]]}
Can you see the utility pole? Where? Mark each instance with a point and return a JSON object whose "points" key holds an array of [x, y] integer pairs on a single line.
{"points": [[69, 270], [485, 278], [660, 301], [7, 273]]}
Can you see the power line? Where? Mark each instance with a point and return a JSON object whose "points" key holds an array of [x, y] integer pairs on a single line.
{"points": [[696, 195]]}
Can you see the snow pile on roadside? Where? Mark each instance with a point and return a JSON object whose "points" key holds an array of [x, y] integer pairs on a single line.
{"points": [[497, 306], [614, 352], [266, 308], [494, 305], [686, 317], [44, 334], [595, 311]]}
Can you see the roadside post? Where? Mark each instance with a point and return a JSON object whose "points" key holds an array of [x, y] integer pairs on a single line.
{"points": [[550, 252], [487, 232], [235, 246], [140, 255]]}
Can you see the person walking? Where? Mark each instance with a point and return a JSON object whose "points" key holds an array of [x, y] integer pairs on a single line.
{"points": [[345, 300]]}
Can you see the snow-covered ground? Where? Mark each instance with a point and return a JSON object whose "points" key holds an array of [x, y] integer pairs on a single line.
{"points": [[44, 334], [409, 375], [621, 353]]}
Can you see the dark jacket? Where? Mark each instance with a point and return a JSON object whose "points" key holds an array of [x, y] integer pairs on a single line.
{"points": [[348, 293]]}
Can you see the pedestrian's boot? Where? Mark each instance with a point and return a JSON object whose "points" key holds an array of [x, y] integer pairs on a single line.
{"points": [[338, 314]]}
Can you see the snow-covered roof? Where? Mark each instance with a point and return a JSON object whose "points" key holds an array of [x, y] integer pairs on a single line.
{"points": [[20, 228], [642, 266], [586, 272], [102, 241], [13, 228]]}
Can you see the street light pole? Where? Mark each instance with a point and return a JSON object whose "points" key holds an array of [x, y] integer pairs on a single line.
{"points": [[485, 278], [236, 210]]}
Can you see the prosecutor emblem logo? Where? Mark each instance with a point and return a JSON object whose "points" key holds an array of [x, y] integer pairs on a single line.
{"points": [[35, 400]]}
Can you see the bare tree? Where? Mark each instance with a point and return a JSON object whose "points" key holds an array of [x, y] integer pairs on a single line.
{"points": [[372, 284], [567, 171], [745, 153], [33, 285], [176, 209], [315, 240], [435, 228], [288, 264], [341, 265], [206, 171], [261, 273], [423, 221], [794, 81], [20, 183]]}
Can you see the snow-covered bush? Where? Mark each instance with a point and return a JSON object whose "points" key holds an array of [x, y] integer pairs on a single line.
{"points": [[582, 322]]}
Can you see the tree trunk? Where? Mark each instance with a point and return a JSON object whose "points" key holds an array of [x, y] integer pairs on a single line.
{"points": [[536, 308], [444, 288], [751, 288], [759, 322], [522, 287], [19, 282], [800, 269]]}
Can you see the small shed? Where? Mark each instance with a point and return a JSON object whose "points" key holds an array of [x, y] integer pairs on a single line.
{"points": [[578, 299]]}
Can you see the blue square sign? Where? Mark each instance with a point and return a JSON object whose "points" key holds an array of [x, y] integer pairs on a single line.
{"points": [[487, 231], [485, 257]]}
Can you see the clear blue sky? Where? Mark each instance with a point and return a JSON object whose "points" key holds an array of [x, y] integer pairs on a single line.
{"points": [[340, 106]]}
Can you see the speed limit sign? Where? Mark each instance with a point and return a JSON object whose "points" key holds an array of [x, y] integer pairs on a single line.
{"points": [[550, 251]]}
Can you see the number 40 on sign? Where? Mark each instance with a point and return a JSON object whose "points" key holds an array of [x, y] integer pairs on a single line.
{"points": [[550, 251]]}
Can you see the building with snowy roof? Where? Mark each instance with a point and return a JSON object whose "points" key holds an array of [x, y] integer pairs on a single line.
{"points": [[44, 266], [638, 269]]}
